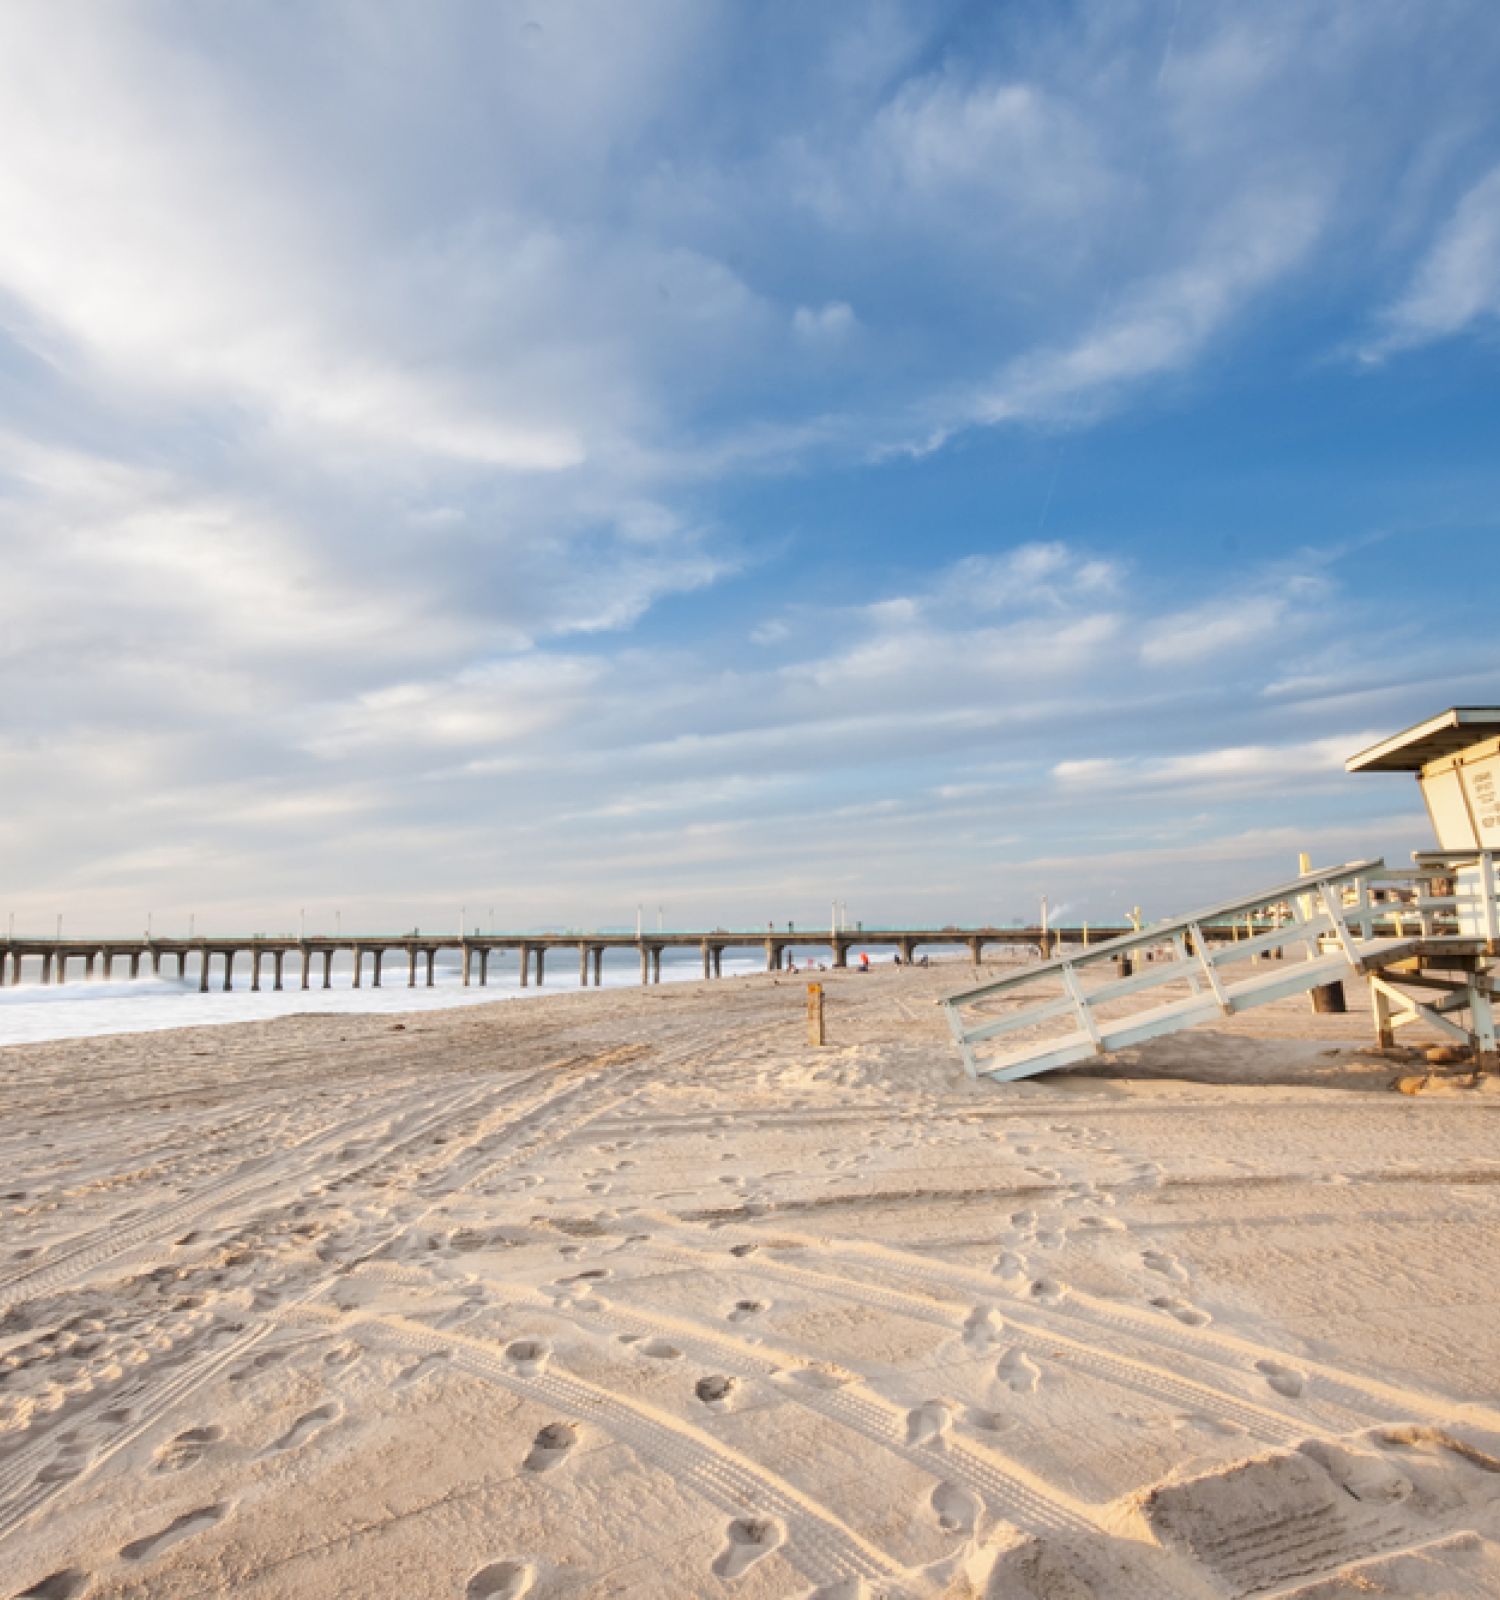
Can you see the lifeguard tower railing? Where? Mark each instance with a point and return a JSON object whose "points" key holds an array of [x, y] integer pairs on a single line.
{"points": [[1320, 928]]}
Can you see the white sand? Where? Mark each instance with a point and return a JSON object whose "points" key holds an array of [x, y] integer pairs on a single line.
{"points": [[635, 1294]]}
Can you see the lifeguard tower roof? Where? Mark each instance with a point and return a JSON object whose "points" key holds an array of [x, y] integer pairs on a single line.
{"points": [[1443, 735]]}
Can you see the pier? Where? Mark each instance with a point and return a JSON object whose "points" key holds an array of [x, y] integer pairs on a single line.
{"points": [[287, 961]]}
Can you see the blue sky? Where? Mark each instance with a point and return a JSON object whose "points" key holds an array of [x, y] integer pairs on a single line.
{"points": [[564, 456]]}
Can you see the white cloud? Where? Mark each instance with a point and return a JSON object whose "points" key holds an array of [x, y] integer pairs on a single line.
{"points": [[1268, 616], [1163, 322], [1241, 768], [1458, 281], [825, 324]]}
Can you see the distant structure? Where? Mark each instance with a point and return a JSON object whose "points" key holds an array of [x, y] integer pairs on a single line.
{"points": [[214, 956], [1427, 937]]}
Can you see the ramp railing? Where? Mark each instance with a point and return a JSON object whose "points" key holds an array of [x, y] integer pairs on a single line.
{"points": [[1169, 976]]}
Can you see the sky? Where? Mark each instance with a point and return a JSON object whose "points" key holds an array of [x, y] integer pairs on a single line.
{"points": [[527, 461]]}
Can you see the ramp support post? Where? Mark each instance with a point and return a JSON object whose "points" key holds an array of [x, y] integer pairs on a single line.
{"points": [[1482, 1021]]}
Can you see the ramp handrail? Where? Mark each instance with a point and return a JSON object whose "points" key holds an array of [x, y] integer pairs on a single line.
{"points": [[1315, 916], [1157, 932]]}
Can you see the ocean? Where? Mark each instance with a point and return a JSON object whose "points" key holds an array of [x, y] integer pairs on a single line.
{"points": [[33, 1012]]}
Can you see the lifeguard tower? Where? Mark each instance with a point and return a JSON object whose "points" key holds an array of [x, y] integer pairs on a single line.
{"points": [[1427, 937]]}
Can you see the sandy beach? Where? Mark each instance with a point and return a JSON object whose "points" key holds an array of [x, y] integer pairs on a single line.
{"points": [[635, 1293]]}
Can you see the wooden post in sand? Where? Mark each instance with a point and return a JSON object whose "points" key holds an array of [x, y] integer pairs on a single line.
{"points": [[1328, 997], [815, 1013]]}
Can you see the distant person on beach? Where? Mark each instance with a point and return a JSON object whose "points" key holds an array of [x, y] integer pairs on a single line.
{"points": [[864, 962]]}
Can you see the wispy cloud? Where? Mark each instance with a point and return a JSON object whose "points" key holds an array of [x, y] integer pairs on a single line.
{"points": [[1456, 284]]}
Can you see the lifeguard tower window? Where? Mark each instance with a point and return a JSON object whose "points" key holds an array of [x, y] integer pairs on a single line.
{"points": [[1456, 756]]}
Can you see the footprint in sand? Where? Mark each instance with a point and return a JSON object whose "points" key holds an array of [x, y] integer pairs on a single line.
{"points": [[659, 1350], [266, 1358], [306, 1428], [818, 1377], [63, 1585], [419, 1370], [1282, 1378], [501, 1580], [982, 1328], [715, 1391], [528, 1356], [1190, 1316], [958, 1510], [747, 1540], [928, 1423], [1047, 1290], [1168, 1266], [551, 1447], [180, 1528], [591, 1275], [186, 1450], [1011, 1268], [988, 1421], [1017, 1371], [742, 1310]]}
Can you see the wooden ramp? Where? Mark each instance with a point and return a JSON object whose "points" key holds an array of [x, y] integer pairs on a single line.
{"points": [[1170, 976]]}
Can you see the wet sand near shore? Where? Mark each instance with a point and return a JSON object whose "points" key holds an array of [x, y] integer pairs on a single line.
{"points": [[634, 1293]]}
